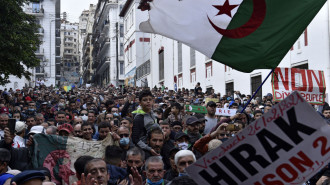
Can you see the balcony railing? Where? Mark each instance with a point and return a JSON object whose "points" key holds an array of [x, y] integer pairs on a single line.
{"points": [[39, 70], [40, 31], [105, 59], [34, 11], [39, 51]]}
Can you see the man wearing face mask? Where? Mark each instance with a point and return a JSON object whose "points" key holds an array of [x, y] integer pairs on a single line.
{"points": [[125, 141], [84, 115], [181, 141], [154, 171]]}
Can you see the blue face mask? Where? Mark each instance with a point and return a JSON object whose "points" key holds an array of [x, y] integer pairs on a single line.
{"points": [[155, 183], [115, 114], [124, 141], [31, 110], [224, 139]]}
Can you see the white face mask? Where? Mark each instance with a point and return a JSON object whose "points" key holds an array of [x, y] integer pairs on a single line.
{"points": [[84, 117], [183, 146]]}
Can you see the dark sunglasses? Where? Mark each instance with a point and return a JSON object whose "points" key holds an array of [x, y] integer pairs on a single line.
{"points": [[123, 135]]}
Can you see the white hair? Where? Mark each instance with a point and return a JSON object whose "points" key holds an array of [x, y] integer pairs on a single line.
{"points": [[183, 153]]}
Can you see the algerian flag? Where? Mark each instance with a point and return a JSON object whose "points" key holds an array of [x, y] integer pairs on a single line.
{"points": [[58, 154], [245, 35]]}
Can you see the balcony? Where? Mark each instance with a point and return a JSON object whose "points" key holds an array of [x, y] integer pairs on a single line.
{"points": [[40, 31], [104, 45], [68, 41], [39, 52], [36, 11], [39, 70], [104, 63], [105, 27]]}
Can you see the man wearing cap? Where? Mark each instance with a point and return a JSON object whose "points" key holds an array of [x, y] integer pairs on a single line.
{"points": [[211, 120], [181, 141], [65, 130], [19, 140], [193, 129], [28, 177]]}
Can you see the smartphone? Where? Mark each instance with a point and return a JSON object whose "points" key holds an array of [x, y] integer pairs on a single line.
{"points": [[115, 122], [12, 125]]}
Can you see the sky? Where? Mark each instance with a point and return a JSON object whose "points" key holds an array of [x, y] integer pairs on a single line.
{"points": [[73, 8]]}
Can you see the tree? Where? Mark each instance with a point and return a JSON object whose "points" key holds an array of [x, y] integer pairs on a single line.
{"points": [[18, 40]]}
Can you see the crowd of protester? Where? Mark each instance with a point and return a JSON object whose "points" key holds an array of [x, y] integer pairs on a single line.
{"points": [[158, 138]]}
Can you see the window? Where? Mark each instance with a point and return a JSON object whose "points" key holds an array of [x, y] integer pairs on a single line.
{"points": [[208, 69], [180, 82], [192, 57], [121, 49], [193, 77], [121, 30], [301, 66], [255, 83], [121, 67], [161, 65], [179, 57], [142, 70], [35, 7], [230, 88]]}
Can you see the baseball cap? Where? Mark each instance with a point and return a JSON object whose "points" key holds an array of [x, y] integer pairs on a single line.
{"points": [[37, 129], [4, 110], [180, 135], [20, 125], [66, 127], [27, 175], [191, 120], [211, 104]]}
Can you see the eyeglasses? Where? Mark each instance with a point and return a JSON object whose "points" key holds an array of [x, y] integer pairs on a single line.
{"points": [[222, 135], [83, 114], [123, 135], [183, 163]]}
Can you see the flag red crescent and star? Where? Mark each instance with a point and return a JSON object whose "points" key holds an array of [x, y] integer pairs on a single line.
{"points": [[256, 19]]}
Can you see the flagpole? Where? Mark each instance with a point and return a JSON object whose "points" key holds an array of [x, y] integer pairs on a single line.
{"points": [[255, 93]]}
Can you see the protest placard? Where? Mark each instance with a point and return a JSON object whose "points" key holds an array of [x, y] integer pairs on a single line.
{"points": [[287, 145], [309, 83], [225, 112], [196, 109], [211, 99]]}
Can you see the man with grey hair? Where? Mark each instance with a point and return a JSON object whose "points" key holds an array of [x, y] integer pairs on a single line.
{"points": [[135, 158], [51, 130], [40, 119], [183, 159], [154, 171], [77, 120]]}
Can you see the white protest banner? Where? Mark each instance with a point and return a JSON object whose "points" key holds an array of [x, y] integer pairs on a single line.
{"points": [[287, 145], [309, 83], [225, 112]]}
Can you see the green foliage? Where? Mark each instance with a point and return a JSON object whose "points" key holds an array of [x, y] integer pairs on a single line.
{"points": [[18, 40]]}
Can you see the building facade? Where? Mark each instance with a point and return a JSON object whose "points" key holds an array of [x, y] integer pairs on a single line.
{"points": [[137, 47], [70, 68], [176, 65], [86, 34], [108, 60], [47, 13]]}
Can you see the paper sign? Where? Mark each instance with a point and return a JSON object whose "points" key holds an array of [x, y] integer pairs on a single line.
{"points": [[225, 112], [196, 109], [309, 83], [215, 100], [287, 145]]}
